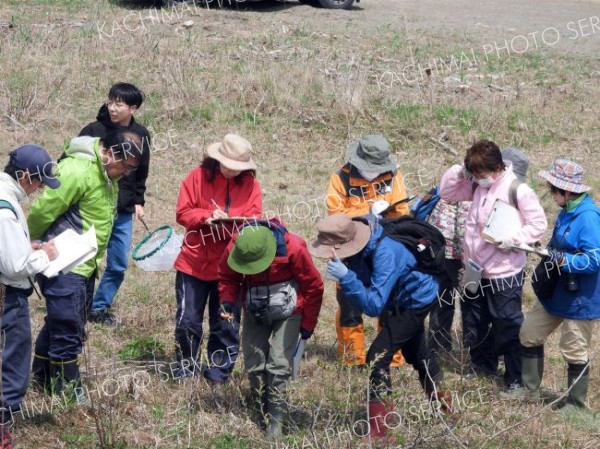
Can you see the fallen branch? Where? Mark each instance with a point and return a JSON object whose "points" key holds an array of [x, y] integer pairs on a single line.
{"points": [[444, 145]]}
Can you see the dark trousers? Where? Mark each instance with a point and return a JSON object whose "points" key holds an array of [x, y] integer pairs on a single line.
{"points": [[15, 341], [193, 294], [60, 341], [492, 318], [401, 329], [442, 310]]}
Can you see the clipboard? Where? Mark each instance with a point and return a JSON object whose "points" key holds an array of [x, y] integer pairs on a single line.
{"points": [[233, 220], [503, 223]]}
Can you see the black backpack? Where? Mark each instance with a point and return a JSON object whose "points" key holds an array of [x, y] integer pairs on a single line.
{"points": [[425, 241]]}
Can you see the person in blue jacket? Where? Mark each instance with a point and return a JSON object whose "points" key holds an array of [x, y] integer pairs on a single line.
{"points": [[575, 302], [396, 293]]}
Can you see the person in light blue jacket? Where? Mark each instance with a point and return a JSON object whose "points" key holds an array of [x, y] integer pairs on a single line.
{"points": [[396, 293], [575, 302]]}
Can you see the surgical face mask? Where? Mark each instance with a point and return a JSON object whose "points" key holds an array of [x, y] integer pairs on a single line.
{"points": [[368, 175], [485, 182]]}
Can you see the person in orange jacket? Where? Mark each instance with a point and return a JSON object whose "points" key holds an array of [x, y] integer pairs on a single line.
{"points": [[369, 182]]}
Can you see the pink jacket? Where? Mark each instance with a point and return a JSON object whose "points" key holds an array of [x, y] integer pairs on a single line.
{"points": [[496, 263]]}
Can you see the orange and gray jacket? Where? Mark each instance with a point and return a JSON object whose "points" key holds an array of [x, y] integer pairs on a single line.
{"points": [[351, 194]]}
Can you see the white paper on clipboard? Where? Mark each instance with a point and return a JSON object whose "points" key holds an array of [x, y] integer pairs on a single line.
{"points": [[503, 223], [73, 249]]}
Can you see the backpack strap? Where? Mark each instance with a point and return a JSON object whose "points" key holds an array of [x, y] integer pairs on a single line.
{"points": [[345, 178], [512, 192], [6, 205]]}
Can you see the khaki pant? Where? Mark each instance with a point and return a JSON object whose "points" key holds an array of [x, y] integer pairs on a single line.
{"points": [[575, 339]]}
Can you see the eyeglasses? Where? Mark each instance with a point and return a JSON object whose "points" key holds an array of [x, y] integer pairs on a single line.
{"points": [[116, 104]]}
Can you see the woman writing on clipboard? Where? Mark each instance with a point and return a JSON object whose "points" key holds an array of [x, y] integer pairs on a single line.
{"points": [[492, 314], [223, 186]]}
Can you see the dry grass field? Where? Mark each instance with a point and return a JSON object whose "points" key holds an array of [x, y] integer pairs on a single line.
{"points": [[300, 83]]}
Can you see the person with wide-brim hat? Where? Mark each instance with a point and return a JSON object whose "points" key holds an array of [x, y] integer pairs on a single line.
{"points": [[263, 263], [223, 186], [575, 301], [379, 277], [369, 181]]}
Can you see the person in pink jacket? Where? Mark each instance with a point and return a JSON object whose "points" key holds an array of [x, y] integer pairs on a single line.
{"points": [[492, 307]]}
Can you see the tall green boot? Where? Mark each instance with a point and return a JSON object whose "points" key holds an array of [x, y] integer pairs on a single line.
{"points": [[579, 388], [532, 369], [258, 397]]}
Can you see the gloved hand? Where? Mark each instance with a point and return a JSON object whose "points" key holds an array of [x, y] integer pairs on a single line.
{"points": [[336, 270], [305, 334], [465, 174], [556, 257], [378, 207]]}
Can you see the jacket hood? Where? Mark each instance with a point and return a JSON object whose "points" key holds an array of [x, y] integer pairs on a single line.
{"points": [[8, 184], [83, 147]]}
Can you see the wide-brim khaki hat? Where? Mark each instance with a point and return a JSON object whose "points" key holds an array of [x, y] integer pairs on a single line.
{"points": [[341, 234], [234, 153]]}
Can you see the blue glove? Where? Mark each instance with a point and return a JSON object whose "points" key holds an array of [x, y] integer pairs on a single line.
{"points": [[305, 334], [336, 270], [556, 257]]}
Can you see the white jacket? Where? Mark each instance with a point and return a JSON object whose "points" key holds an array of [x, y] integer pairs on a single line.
{"points": [[17, 260]]}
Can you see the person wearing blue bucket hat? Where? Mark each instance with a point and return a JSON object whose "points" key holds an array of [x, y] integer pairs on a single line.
{"points": [[28, 169], [575, 300]]}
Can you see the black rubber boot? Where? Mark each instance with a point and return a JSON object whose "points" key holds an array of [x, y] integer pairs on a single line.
{"points": [[65, 375], [579, 388], [275, 413], [258, 397], [41, 371]]}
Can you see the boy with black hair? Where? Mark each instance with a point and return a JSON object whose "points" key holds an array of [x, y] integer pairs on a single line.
{"points": [[87, 197], [117, 113]]}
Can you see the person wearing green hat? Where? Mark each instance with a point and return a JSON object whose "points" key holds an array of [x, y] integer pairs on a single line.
{"points": [[270, 270]]}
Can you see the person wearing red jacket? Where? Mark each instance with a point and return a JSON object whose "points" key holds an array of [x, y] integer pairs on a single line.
{"points": [[223, 186], [271, 271]]}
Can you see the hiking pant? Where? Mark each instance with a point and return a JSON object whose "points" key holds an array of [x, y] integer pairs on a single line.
{"points": [[193, 295], [402, 329], [575, 339], [442, 310], [492, 319], [15, 344], [60, 341], [117, 257], [351, 335], [268, 351]]}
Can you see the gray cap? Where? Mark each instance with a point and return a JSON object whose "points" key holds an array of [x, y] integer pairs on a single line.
{"points": [[520, 162], [371, 153]]}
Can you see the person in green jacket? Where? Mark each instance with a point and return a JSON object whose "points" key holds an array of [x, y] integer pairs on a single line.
{"points": [[87, 197]]}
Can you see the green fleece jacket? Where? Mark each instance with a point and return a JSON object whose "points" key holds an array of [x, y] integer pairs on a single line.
{"points": [[86, 197]]}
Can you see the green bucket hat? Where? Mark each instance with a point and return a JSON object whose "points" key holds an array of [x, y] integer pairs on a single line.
{"points": [[254, 250]]}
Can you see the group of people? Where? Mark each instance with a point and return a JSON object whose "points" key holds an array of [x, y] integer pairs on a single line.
{"points": [[256, 275]]}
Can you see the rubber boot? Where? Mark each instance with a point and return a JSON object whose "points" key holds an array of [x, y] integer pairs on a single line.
{"points": [[41, 371], [258, 397], [6, 439], [351, 343], [378, 410], [276, 413], [532, 369], [65, 375], [579, 388]]}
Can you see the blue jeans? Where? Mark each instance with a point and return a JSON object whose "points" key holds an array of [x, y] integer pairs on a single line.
{"points": [[116, 262]]}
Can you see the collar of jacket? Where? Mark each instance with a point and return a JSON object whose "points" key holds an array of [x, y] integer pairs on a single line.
{"points": [[573, 204], [13, 187]]}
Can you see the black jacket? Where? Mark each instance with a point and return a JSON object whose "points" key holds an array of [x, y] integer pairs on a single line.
{"points": [[133, 186]]}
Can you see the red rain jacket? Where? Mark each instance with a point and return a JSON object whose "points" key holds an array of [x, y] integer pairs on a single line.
{"points": [[204, 245]]}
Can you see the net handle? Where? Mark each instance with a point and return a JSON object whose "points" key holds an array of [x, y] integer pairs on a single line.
{"points": [[148, 237]]}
